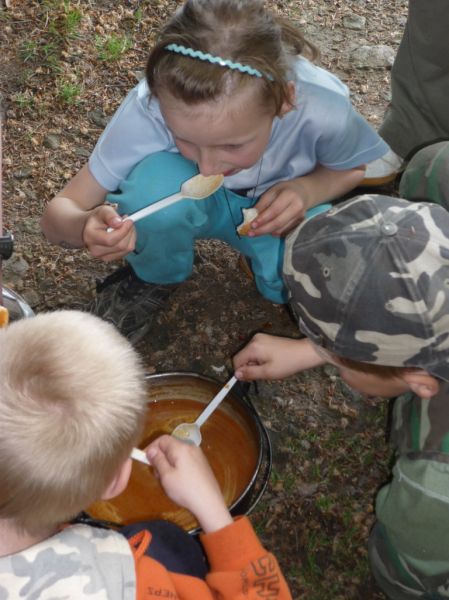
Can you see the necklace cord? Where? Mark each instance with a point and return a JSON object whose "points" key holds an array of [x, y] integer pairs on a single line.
{"points": [[252, 198]]}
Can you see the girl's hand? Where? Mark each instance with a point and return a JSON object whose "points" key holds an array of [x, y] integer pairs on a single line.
{"points": [[284, 205], [108, 246], [273, 357], [281, 209], [188, 480]]}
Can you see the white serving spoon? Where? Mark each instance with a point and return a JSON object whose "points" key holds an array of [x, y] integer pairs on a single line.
{"points": [[190, 432], [195, 188]]}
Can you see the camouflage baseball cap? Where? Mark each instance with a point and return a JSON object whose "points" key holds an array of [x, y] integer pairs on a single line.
{"points": [[369, 281]]}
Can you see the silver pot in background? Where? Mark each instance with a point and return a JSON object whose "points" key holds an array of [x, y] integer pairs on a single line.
{"points": [[16, 305]]}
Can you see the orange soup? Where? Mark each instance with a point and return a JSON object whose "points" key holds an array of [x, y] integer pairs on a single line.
{"points": [[228, 442]]}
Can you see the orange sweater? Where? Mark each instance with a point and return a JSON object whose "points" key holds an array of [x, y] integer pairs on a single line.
{"points": [[239, 568]]}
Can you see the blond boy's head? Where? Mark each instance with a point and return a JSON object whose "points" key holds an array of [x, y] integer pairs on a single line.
{"points": [[72, 402]]}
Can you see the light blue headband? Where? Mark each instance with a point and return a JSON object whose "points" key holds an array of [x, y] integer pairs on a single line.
{"points": [[216, 60]]}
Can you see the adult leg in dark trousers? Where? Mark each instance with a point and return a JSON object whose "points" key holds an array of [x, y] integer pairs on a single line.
{"points": [[418, 111]]}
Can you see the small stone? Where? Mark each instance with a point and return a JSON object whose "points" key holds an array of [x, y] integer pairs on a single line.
{"points": [[344, 422], [374, 57], [51, 141], [47, 284], [31, 194], [354, 22], [29, 225], [16, 267], [98, 118], [83, 152], [330, 370], [307, 489], [23, 173], [138, 75], [293, 430], [31, 297]]}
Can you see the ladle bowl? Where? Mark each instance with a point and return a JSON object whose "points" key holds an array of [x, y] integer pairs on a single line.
{"points": [[197, 187], [190, 432]]}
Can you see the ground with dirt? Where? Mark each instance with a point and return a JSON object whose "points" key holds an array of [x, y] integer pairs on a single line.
{"points": [[65, 67]]}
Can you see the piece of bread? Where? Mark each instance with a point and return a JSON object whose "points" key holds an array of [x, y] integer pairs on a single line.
{"points": [[249, 214]]}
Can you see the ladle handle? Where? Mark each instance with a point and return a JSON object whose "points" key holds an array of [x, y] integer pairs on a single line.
{"points": [[215, 401], [139, 455], [152, 208]]}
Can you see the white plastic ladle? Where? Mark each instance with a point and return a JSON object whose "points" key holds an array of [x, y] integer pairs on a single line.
{"points": [[195, 188], [190, 432]]}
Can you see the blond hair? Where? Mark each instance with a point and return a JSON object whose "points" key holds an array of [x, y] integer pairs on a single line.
{"points": [[72, 402], [237, 30]]}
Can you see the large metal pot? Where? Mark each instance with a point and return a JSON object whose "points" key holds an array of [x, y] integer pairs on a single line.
{"points": [[179, 388], [202, 389]]}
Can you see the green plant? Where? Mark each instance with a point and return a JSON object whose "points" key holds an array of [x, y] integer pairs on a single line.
{"points": [[50, 55], [73, 19], [69, 93], [61, 18], [324, 503], [317, 542], [29, 50], [138, 15], [59, 22], [315, 472], [111, 47], [23, 100], [44, 52]]}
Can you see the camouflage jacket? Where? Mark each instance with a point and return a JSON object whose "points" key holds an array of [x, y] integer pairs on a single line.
{"points": [[80, 562], [413, 509]]}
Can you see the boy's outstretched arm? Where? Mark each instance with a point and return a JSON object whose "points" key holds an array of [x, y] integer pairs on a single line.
{"points": [[273, 357], [240, 567], [77, 217]]}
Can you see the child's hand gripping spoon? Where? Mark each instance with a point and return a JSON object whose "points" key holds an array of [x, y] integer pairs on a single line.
{"points": [[195, 188], [190, 432]]}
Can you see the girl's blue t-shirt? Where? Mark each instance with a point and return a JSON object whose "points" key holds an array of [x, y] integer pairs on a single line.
{"points": [[323, 129]]}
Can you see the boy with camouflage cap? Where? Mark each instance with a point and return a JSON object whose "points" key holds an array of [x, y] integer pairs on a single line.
{"points": [[369, 285], [72, 404]]}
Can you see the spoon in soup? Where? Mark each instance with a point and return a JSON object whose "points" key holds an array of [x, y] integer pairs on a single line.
{"points": [[197, 187], [190, 432]]}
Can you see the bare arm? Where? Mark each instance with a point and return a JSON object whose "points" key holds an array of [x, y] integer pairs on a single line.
{"points": [[77, 217], [274, 357], [283, 206], [188, 480], [65, 216]]}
